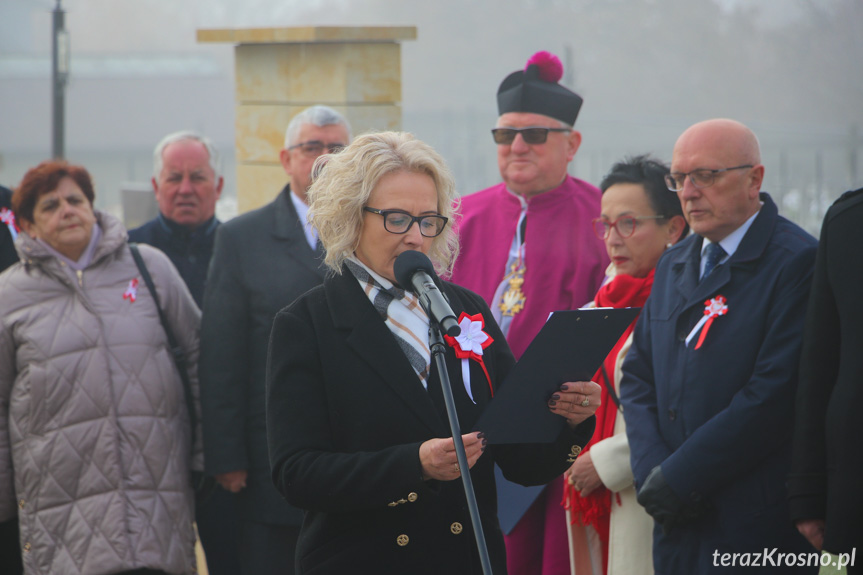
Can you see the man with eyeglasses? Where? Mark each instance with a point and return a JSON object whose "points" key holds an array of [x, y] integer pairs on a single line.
{"points": [[262, 261], [528, 248], [708, 385]]}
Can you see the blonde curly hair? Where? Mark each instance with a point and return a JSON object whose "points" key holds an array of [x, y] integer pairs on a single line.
{"points": [[343, 182]]}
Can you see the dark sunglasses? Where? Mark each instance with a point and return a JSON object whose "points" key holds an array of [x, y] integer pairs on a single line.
{"points": [[531, 135]]}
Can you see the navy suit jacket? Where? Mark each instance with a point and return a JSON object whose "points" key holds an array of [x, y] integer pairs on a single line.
{"points": [[719, 419]]}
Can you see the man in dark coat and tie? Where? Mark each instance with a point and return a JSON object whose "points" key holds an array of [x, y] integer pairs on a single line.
{"points": [[262, 261], [708, 385]]}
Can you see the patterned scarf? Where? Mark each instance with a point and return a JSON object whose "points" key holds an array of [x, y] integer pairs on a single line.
{"points": [[403, 314]]}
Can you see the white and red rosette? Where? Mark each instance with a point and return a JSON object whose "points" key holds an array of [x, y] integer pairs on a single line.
{"points": [[713, 308], [7, 217], [131, 292], [469, 345]]}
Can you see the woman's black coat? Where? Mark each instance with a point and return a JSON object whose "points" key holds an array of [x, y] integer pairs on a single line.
{"points": [[346, 415]]}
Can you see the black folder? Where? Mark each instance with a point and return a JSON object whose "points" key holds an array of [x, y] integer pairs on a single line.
{"points": [[570, 347]]}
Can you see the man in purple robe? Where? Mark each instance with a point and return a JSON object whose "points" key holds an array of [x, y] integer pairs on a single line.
{"points": [[528, 248]]}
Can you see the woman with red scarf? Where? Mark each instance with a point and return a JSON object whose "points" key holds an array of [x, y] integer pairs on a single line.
{"points": [[610, 533]]}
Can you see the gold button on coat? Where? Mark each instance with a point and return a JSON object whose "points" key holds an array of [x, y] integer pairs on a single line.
{"points": [[456, 528], [402, 540], [573, 453], [412, 496]]}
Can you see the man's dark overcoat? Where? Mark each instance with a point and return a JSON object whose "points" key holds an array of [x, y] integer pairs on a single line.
{"points": [[261, 263], [719, 419], [827, 469]]}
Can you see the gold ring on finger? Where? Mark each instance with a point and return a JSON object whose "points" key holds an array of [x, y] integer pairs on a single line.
{"points": [[585, 402]]}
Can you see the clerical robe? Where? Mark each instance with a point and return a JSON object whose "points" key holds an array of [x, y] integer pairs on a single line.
{"points": [[564, 261]]}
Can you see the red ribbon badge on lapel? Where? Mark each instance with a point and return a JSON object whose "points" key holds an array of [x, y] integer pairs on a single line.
{"points": [[713, 308], [469, 345]]}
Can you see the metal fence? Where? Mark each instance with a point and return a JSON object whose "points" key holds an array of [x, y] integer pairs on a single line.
{"points": [[806, 169]]}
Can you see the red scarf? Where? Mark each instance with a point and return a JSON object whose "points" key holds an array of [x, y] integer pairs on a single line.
{"points": [[595, 509]]}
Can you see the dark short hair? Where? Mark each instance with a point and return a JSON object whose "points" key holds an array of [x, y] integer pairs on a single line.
{"points": [[45, 178], [650, 173]]}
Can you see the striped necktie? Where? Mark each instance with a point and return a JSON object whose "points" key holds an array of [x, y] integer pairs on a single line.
{"points": [[713, 254]]}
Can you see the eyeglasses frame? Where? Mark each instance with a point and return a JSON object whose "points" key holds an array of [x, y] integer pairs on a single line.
{"points": [[330, 148], [713, 175], [614, 225], [414, 219]]}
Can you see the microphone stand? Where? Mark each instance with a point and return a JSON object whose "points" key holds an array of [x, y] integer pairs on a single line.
{"points": [[438, 349]]}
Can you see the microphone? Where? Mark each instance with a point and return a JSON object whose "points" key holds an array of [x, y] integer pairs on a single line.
{"points": [[414, 271]]}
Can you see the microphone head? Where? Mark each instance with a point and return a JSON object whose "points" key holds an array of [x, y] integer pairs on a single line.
{"points": [[409, 262]]}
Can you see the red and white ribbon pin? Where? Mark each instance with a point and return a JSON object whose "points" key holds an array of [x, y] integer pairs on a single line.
{"points": [[470, 345], [131, 292], [713, 308], [7, 216]]}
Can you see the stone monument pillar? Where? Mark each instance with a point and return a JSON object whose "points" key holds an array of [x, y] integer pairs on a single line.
{"points": [[280, 71]]}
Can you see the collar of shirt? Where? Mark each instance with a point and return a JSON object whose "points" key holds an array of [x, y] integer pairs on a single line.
{"points": [[303, 213], [729, 243]]}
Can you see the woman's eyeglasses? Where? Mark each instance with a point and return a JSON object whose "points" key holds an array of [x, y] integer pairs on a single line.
{"points": [[532, 135], [398, 222], [625, 225]]}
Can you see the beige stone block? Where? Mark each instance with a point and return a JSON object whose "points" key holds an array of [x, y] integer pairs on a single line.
{"points": [[258, 184], [260, 129], [306, 74], [308, 34]]}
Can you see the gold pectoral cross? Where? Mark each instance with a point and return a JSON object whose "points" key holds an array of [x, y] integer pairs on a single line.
{"points": [[512, 300]]}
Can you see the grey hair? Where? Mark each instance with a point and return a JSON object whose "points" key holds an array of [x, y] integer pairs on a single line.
{"points": [[215, 159], [317, 116], [343, 186]]}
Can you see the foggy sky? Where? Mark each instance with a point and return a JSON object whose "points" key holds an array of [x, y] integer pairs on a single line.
{"points": [[646, 69]]}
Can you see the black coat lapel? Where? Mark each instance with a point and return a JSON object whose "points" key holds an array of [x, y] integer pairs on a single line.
{"points": [[751, 248], [369, 337], [686, 267], [289, 230]]}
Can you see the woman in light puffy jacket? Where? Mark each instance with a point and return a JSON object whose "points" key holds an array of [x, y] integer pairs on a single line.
{"points": [[95, 432]]}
